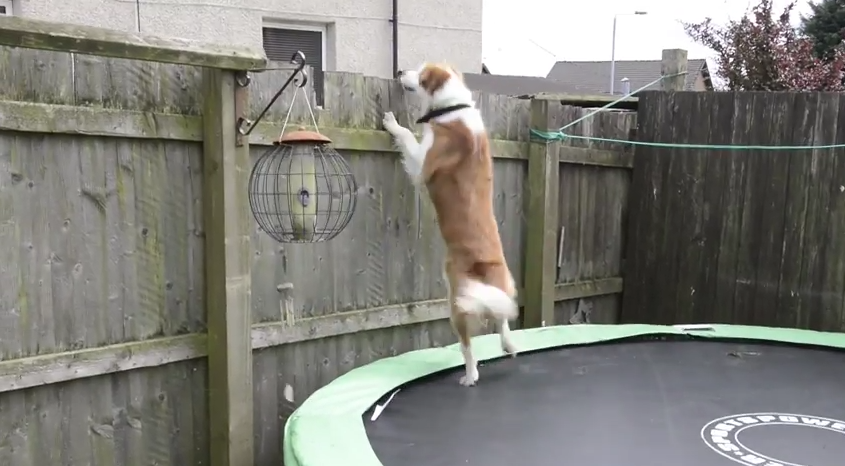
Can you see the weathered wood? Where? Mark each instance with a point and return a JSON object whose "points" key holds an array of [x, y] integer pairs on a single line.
{"points": [[504, 117], [674, 67], [16, 31], [31, 117], [103, 238], [822, 301], [541, 233], [833, 279], [688, 226], [228, 281], [738, 236], [702, 270], [596, 157], [66, 119], [35, 371], [807, 118], [133, 418], [279, 333], [771, 197], [592, 208], [587, 100], [274, 334], [759, 116], [588, 288], [294, 372], [365, 140]]}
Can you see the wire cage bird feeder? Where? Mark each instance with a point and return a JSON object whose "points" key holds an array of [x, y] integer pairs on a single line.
{"points": [[301, 190]]}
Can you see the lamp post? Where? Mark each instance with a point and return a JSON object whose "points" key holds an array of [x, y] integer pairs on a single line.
{"points": [[613, 48]]}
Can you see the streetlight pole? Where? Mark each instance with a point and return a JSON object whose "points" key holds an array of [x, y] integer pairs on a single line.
{"points": [[613, 48]]}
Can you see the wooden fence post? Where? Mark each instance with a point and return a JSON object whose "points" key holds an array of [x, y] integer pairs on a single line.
{"points": [[541, 218], [227, 273], [674, 61]]}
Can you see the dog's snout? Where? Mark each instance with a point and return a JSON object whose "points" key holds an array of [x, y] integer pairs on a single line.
{"points": [[400, 73]]}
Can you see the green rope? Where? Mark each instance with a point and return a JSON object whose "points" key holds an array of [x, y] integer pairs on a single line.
{"points": [[701, 146], [560, 134]]}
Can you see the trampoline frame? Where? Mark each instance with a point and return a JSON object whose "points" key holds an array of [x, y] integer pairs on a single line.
{"points": [[328, 429]]}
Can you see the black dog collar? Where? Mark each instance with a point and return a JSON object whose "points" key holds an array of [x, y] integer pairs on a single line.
{"points": [[440, 111]]}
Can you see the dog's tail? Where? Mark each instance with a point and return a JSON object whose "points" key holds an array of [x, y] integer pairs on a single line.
{"points": [[481, 299]]}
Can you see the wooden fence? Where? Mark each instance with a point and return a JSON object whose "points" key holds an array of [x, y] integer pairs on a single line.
{"points": [[738, 236], [144, 319]]}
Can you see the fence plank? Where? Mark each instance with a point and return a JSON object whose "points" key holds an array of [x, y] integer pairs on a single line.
{"points": [[795, 209], [772, 191], [834, 240], [824, 305], [714, 213], [680, 214]]}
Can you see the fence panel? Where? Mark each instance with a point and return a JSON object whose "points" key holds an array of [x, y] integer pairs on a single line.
{"points": [[746, 236]]}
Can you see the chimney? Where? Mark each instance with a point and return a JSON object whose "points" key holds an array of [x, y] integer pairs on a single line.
{"points": [[626, 86]]}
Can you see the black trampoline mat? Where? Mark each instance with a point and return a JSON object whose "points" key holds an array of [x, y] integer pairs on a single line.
{"points": [[648, 403]]}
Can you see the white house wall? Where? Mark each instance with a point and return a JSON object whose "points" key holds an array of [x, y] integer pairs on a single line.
{"points": [[359, 33]]}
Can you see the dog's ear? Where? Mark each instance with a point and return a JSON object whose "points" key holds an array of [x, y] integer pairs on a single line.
{"points": [[425, 77], [433, 77], [457, 72]]}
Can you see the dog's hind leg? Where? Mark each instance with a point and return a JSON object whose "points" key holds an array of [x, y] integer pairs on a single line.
{"points": [[504, 330], [460, 324], [498, 277], [503, 327]]}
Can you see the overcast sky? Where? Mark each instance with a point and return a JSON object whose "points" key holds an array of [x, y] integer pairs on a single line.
{"points": [[516, 32]]}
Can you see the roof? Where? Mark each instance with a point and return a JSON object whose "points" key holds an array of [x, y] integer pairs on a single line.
{"points": [[518, 85], [595, 75]]}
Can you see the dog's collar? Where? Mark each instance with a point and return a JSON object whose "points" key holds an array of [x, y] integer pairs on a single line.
{"points": [[436, 112]]}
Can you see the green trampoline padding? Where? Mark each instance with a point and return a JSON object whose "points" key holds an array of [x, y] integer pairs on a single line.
{"points": [[328, 429]]}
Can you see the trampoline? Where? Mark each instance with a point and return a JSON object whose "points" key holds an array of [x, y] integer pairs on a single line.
{"points": [[592, 395]]}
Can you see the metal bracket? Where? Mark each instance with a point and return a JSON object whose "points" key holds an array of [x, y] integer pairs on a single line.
{"points": [[299, 77], [242, 81]]}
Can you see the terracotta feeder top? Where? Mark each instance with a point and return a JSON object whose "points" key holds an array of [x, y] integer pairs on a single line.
{"points": [[301, 135]]}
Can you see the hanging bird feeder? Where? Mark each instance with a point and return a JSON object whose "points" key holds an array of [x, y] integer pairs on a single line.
{"points": [[301, 190]]}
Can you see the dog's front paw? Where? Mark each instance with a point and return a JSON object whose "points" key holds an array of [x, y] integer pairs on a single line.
{"points": [[389, 122]]}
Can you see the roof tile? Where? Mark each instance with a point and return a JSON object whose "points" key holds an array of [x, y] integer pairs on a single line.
{"points": [[519, 85], [594, 76]]}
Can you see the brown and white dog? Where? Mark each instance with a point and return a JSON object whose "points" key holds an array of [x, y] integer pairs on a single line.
{"points": [[452, 161]]}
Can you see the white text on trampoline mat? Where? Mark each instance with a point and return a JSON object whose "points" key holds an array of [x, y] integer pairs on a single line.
{"points": [[720, 433]]}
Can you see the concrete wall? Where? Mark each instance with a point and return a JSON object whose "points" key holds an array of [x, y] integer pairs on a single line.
{"points": [[358, 31]]}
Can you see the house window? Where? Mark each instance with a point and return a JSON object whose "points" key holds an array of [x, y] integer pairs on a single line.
{"points": [[6, 8], [280, 43]]}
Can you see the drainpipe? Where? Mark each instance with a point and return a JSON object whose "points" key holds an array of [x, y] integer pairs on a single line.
{"points": [[395, 20], [138, 15]]}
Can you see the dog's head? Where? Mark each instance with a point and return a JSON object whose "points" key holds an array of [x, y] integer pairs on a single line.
{"points": [[435, 83]]}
